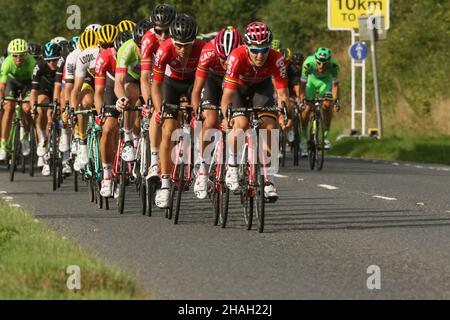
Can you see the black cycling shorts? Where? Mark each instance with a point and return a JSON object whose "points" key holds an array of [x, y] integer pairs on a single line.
{"points": [[175, 89], [212, 90], [46, 88], [110, 98], [15, 87]]}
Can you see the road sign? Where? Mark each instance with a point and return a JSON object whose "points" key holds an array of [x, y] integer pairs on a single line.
{"points": [[358, 51], [368, 23], [344, 14]]}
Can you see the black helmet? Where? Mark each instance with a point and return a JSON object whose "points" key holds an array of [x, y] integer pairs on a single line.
{"points": [[52, 51], [141, 28], [65, 48], [298, 57], [163, 14], [183, 28], [122, 38], [35, 49]]}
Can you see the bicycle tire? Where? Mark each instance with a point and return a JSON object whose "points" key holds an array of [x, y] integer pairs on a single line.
{"points": [[283, 144], [260, 201], [143, 195], [181, 182], [311, 145], [224, 199], [296, 143], [122, 183], [54, 156], [75, 180], [22, 163], [169, 211], [98, 195], [15, 151], [91, 190], [32, 157], [106, 203], [320, 145], [150, 196]]}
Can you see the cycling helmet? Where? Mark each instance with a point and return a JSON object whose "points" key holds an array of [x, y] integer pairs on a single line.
{"points": [[163, 14], [297, 57], [73, 44], [226, 40], [184, 28], [52, 51], [17, 46], [65, 48], [107, 34], [258, 33], [141, 28], [95, 26], [122, 38], [276, 44], [35, 49], [88, 39], [323, 54], [58, 40], [287, 53], [126, 25]]}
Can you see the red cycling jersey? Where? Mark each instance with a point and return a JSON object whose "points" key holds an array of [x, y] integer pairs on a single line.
{"points": [[209, 62], [149, 46], [241, 72], [106, 63], [167, 56]]}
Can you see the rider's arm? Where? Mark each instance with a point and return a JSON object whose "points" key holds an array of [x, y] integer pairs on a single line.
{"points": [[159, 68], [157, 94], [304, 79], [58, 80], [99, 81], [146, 88], [76, 92], [148, 47], [281, 84], [35, 84], [335, 74], [227, 99], [119, 85], [4, 76], [196, 92]]}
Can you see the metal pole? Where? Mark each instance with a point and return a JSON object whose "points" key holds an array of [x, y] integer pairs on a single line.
{"points": [[375, 81], [363, 98], [353, 86]]}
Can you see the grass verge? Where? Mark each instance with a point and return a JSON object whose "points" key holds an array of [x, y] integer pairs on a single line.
{"points": [[34, 261], [426, 150]]}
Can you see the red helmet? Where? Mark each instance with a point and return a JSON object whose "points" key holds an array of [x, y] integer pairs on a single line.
{"points": [[226, 40], [258, 33]]}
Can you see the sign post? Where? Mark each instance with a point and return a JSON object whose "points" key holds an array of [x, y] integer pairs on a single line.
{"points": [[345, 15]]}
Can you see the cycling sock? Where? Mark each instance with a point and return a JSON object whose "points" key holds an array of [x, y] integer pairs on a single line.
{"points": [[107, 174], [270, 178], [203, 168], [326, 132], [165, 181], [3, 144], [128, 135], [155, 156], [63, 132], [232, 159], [42, 136]]}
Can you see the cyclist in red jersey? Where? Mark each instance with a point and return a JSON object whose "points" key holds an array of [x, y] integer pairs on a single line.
{"points": [[208, 90], [249, 71], [105, 70], [162, 17], [180, 55]]}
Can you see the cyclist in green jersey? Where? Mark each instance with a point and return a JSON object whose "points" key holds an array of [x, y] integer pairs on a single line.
{"points": [[15, 78], [319, 74]]}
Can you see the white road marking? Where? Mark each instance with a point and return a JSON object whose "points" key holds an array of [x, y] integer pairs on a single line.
{"points": [[448, 211], [7, 198], [384, 198], [395, 164], [280, 175], [420, 203], [301, 179], [419, 167], [443, 169], [326, 186]]}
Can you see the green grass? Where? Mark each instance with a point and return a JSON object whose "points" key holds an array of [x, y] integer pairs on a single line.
{"points": [[34, 260], [423, 149]]}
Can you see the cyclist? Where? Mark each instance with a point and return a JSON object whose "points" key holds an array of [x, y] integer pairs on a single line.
{"points": [[16, 75], [126, 86], [83, 89], [95, 27], [208, 90], [105, 70], [320, 73], [180, 55], [249, 71], [42, 91], [35, 49], [162, 17], [126, 25], [276, 45]]}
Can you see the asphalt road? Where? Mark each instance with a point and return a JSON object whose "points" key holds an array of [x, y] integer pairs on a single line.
{"points": [[320, 238]]}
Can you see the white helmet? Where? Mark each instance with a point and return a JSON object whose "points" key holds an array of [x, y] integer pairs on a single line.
{"points": [[58, 40], [95, 26]]}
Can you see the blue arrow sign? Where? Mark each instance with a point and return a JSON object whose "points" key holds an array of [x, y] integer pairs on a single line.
{"points": [[358, 51]]}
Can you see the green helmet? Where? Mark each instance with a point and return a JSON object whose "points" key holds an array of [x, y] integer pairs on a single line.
{"points": [[276, 44], [323, 54], [17, 46]]}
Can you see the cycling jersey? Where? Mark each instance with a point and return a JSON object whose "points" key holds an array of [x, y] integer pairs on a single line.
{"points": [[86, 62], [149, 46], [310, 69], [209, 62], [241, 72], [43, 79], [23, 73], [167, 56], [60, 68], [105, 66], [71, 63], [129, 60]]}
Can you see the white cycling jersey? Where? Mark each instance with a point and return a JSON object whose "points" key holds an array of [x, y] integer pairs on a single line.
{"points": [[71, 63], [86, 62]]}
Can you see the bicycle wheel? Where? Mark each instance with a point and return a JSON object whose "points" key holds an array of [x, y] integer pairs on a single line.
{"points": [[283, 143], [75, 180], [179, 192], [32, 157], [54, 156], [98, 195], [143, 195], [169, 211], [296, 143], [320, 145], [106, 203], [15, 150], [246, 197], [311, 144], [259, 200], [122, 182], [224, 199], [151, 189]]}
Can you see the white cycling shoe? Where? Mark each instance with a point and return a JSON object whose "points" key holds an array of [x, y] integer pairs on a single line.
{"points": [[231, 178], [327, 144], [82, 156], [162, 198], [25, 147], [153, 173], [106, 190], [2, 154], [270, 192], [290, 135], [64, 145], [304, 149], [201, 186], [40, 162], [128, 152], [41, 149], [66, 168], [46, 170]]}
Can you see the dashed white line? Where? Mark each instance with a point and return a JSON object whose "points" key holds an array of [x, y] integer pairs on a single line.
{"points": [[301, 179], [326, 186], [395, 164], [280, 175], [384, 198], [419, 167]]}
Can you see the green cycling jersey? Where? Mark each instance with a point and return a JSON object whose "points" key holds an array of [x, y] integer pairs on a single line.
{"points": [[129, 59], [316, 81], [22, 73]]}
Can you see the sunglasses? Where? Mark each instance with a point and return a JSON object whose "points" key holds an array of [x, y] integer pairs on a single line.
{"points": [[161, 31], [256, 50], [321, 63], [20, 55], [52, 60]]}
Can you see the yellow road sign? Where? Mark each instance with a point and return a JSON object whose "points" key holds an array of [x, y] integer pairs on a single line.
{"points": [[343, 14]]}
